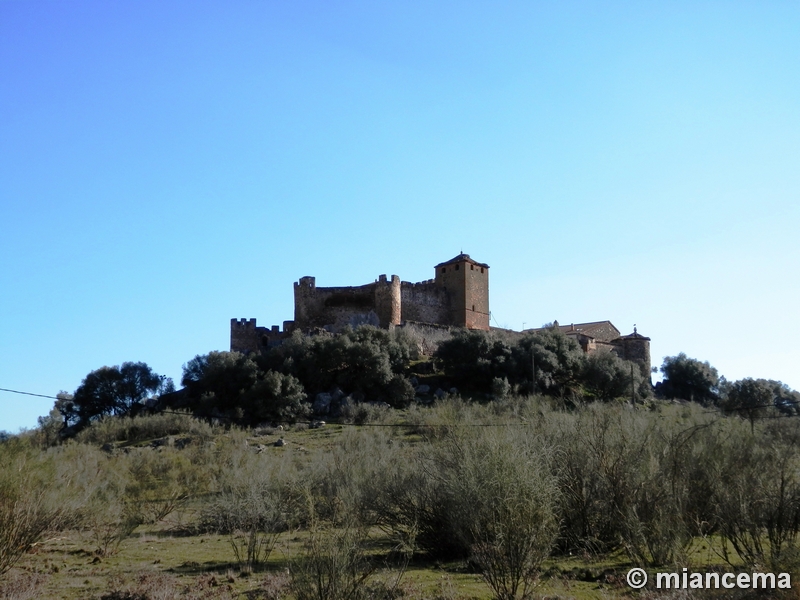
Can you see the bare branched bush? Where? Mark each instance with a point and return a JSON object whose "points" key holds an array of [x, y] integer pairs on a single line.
{"points": [[98, 490], [334, 564], [596, 449], [22, 586], [363, 413], [28, 508], [343, 495], [659, 522], [475, 491], [111, 514], [254, 504], [503, 498], [162, 481], [758, 496], [629, 479]]}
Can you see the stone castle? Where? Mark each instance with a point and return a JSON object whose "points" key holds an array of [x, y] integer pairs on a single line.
{"points": [[457, 296]]}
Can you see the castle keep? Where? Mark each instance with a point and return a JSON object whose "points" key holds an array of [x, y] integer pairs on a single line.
{"points": [[457, 296]]}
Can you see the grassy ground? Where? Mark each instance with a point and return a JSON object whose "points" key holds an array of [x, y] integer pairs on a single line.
{"points": [[70, 570]]}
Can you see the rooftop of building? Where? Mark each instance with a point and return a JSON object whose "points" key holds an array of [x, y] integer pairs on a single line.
{"points": [[594, 329], [462, 258]]}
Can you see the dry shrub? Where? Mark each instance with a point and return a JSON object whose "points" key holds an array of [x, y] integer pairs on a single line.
{"points": [[340, 500], [635, 479], [334, 564], [97, 487], [22, 586], [111, 516], [161, 481], [503, 498], [146, 585], [29, 503], [275, 586], [757, 499], [253, 505], [155, 585], [144, 427], [366, 413]]}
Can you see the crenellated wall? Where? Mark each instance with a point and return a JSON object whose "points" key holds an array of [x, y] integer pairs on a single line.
{"points": [[244, 335], [334, 308], [425, 302], [247, 337]]}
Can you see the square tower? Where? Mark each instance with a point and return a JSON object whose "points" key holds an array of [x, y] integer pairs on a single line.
{"points": [[467, 285]]}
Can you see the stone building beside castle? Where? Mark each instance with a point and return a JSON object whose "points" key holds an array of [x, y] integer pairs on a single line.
{"points": [[603, 336], [457, 296]]}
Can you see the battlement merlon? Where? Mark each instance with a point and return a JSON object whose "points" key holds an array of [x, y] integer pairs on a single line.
{"points": [[307, 281], [248, 324], [383, 279], [244, 335]]}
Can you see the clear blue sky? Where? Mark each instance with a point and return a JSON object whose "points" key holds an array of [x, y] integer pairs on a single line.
{"points": [[167, 166]]}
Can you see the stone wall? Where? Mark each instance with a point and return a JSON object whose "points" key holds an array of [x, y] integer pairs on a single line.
{"points": [[451, 278], [635, 348], [247, 337], [476, 286], [244, 335], [424, 302], [335, 308]]}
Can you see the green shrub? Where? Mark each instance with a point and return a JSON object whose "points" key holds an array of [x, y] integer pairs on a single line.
{"points": [[474, 359], [688, 379]]}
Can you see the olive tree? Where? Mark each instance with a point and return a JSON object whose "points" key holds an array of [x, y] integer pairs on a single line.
{"points": [[751, 398], [689, 379], [234, 385], [111, 391]]}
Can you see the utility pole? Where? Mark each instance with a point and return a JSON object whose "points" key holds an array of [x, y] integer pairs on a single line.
{"points": [[633, 387], [533, 367]]}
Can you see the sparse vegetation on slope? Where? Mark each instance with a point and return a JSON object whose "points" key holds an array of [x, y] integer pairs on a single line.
{"points": [[510, 492]]}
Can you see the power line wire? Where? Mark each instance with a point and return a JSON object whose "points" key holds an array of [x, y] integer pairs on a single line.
{"points": [[27, 393]]}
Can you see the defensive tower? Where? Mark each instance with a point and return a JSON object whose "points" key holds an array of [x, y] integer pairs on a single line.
{"points": [[467, 285]]}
